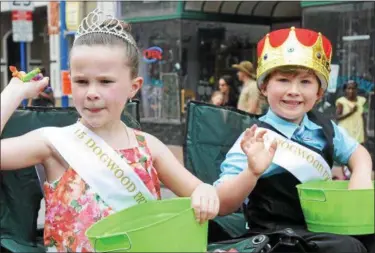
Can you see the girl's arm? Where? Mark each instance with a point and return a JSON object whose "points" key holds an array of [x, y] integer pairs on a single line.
{"points": [[24, 151], [181, 182], [31, 148], [171, 172]]}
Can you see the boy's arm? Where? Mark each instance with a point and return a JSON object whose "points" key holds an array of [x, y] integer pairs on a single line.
{"points": [[244, 164], [348, 151], [360, 165], [233, 191]]}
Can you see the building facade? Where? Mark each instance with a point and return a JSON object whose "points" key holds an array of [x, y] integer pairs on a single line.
{"points": [[351, 30]]}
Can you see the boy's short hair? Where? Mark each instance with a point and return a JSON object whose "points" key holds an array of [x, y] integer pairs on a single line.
{"points": [[290, 70]]}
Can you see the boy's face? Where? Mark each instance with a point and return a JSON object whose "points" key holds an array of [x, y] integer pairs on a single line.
{"points": [[291, 95]]}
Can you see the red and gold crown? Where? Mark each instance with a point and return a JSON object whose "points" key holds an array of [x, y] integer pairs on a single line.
{"points": [[294, 47]]}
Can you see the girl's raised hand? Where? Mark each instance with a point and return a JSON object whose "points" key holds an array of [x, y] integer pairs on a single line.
{"points": [[28, 89]]}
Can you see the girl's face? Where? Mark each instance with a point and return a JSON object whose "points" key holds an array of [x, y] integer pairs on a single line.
{"points": [[223, 86], [351, 90], [101, 83], [291, 95]]}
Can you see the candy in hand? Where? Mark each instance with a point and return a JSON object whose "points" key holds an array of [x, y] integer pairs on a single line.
{"points": [[24, 78]]}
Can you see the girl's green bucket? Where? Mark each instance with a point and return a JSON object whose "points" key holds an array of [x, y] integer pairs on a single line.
{"points": [[157, 226], [328, 206]]}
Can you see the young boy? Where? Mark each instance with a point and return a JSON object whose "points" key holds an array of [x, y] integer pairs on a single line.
{"points": [[293, 71]]}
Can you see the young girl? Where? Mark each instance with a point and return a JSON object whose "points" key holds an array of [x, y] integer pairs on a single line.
{"points": [[217, 98], [291, 144], [350, 112], [97, 166]]}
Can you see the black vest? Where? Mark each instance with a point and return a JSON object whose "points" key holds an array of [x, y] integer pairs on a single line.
{"points": [[274, 202]]}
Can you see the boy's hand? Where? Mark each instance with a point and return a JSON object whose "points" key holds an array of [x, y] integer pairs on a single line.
{"points": [[258, 157], [28, 89], [205, 202]]}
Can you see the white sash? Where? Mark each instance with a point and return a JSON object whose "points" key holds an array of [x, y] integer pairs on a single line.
{"points": [[303, 163], [99, 165]]}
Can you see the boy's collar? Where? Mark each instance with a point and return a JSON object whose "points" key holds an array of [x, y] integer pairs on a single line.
{"points": [[286, 127]]}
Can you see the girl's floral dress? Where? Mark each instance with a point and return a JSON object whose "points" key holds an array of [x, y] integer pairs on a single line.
{"points": [[72, 206]]}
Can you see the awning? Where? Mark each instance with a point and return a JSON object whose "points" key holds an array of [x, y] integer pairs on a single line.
{"points": [[245, 12], [274, 10]]}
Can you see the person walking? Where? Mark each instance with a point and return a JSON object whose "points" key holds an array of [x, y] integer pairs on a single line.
{"points": [[250, 100]]}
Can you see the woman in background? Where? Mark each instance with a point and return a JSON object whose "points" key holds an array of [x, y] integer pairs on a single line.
{"points": [[227, 87]]}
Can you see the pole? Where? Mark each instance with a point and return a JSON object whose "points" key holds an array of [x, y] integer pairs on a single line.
{"points": [[23, 65], [63, 50]]}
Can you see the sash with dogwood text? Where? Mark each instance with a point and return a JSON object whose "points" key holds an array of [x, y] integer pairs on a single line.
{"points": [[303, 163], [99, 165]]}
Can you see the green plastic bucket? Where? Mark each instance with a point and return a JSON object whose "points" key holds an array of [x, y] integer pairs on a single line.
{"points": [[328, 206], [157, 226]]}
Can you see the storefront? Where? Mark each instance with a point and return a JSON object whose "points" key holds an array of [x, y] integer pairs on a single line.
{"points": [[188, 45], [351, 30]]}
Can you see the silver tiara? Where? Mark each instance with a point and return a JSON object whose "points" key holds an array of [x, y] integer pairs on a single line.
{"points": [[93, 23]]}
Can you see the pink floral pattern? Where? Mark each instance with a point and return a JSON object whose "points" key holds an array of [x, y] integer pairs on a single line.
{"points": [[72, 206]]}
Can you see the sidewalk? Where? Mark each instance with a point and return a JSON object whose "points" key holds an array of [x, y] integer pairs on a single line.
{"points": [[165, 193]]}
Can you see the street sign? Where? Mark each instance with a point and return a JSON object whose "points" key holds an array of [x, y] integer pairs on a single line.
{"points": [[22, 26], [22, 20], [21, 5]]}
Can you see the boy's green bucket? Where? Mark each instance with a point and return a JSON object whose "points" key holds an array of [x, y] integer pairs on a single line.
{"points": [[328, 206], [157, 226]]}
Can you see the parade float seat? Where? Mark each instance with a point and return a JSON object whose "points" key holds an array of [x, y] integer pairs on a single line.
{"points": [[210, 132], [21, 194]]}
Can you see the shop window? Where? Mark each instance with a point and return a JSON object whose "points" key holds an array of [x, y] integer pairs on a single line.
{"points": [[160, 67], [351, 30], [211, 48]]}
